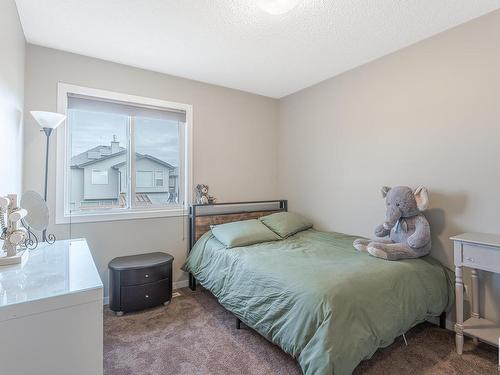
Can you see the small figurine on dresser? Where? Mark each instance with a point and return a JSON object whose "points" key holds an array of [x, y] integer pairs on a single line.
{"points": [[202, 196], [12, 234]]}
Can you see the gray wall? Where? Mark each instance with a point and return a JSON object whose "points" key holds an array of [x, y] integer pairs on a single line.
{"points": [[428, 114], [12, 50], [235, 137]]}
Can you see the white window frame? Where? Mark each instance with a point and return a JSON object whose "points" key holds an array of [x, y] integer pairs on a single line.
{"points": [[63, 213], [99, 171]]}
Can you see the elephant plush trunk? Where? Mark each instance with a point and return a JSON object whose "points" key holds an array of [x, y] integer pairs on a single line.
{"points": [[392, 216]]}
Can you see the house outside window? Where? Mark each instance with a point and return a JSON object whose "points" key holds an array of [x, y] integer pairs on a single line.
{"points": [[115, 153], [99, 177], [144, 179]]}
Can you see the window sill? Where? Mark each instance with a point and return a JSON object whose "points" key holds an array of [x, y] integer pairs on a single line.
{"points": [[130, 214]]}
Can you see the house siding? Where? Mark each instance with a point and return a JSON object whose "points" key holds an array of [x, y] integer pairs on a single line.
{"points": [[81, 180], [108, 191], [149, 165]]}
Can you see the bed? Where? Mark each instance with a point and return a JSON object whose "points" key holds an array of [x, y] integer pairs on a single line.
{"points": [[313, 294]]}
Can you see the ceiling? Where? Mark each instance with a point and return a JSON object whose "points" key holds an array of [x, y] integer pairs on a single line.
{"points": [[234, 43]]}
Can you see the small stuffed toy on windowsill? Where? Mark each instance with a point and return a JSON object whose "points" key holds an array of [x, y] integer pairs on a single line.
{"points": [[407, 229], [202, 196]]}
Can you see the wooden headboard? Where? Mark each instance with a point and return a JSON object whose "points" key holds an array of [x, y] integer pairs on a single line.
{"points": [[202, 216]]}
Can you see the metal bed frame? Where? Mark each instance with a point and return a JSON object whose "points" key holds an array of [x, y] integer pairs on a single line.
{"points": [[244, 210]]}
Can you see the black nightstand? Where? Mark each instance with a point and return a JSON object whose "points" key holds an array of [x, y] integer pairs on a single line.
{"points": [[139, 282]]}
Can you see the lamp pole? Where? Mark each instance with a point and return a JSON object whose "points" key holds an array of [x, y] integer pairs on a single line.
{"points": [[48, 121], [48, 132]]}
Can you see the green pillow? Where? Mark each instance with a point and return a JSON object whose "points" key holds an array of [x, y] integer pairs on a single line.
{"points": [[243, 233], [286, 223]]}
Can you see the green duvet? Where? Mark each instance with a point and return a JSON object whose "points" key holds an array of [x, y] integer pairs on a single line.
{"points": [[319, 299]]}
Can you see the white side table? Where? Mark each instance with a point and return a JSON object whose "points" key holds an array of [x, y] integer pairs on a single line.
{"points": [[478, 251]]}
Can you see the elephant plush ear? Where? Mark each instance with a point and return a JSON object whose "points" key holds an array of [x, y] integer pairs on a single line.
{"points": [[384, 190], [422, 198]]}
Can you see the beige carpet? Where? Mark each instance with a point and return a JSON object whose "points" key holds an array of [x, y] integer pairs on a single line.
{"points": [[195, 335]]}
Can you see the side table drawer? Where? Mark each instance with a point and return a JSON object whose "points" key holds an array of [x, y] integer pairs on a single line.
{"points": [[481, 257], [144, 275], [144, 296]]}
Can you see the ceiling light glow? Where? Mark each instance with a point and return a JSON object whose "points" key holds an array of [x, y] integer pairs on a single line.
{"points": [[276, 7]]}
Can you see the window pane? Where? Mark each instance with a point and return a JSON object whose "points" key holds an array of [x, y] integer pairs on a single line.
{"points": [[157, 161], [158, 178], [98, 170], [100, 175]]}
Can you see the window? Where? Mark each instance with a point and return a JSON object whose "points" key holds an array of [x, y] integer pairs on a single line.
{"points": [[91, 204], [115, 153], [99, 177], [159, 178]]}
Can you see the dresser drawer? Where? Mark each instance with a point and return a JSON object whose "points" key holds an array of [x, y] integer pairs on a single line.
{"points": [[144, 296], [481, 257], [144, 275]]}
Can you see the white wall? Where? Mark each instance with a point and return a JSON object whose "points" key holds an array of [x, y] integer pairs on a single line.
{"points": [[12, 49], [428, 114], [235, 137]]}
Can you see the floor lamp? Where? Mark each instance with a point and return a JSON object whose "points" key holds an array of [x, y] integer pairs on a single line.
{"points": [[48, 121]]}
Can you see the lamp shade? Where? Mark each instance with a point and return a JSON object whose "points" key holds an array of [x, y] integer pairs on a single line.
{"points": [[49, 120]]}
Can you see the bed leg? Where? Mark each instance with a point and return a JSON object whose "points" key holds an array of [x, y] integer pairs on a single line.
{"points": [[238, 323], [192, 282], [442, 320]]}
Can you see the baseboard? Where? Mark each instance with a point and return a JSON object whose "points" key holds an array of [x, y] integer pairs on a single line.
{"points": [[181, 284], [176, 285], [435, 320], [450, 326]]}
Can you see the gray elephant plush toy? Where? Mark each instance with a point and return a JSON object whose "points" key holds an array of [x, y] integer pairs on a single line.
{"points": [[407, 228]]}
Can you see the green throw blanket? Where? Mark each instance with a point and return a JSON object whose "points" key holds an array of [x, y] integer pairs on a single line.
{"points": [[319, 299]]}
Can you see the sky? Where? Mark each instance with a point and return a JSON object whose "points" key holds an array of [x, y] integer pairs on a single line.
{"points": [[159, 138]]}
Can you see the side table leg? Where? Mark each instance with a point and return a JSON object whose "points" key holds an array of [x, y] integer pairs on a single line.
{"points": [[475, 298], [459, 295]]}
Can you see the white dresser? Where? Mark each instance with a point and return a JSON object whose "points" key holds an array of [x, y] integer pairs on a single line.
{"points": [[477, 251], [51, 306]]}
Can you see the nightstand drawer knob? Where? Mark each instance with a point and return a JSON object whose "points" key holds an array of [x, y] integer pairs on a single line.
{"points": [[469, 259], [146, 276], [147, 296]]}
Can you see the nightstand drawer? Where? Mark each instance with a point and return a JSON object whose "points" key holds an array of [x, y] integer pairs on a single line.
{"points": [[481, 257], [144, 275], [148, 295]]}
